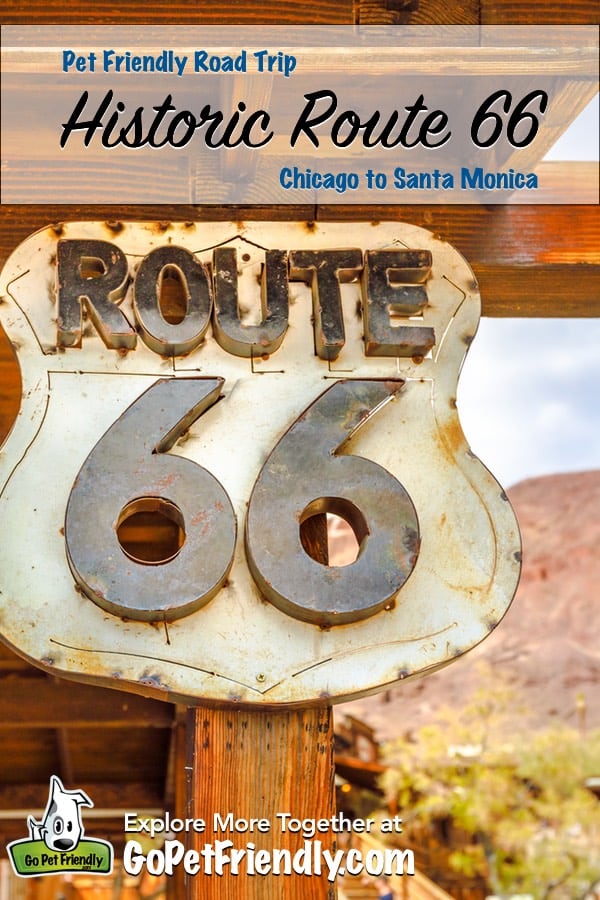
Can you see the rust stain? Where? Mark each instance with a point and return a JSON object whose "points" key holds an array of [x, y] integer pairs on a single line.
{"points": [[166, 481], [394, 386], [114, 227], [412, 542], [452, 440]]}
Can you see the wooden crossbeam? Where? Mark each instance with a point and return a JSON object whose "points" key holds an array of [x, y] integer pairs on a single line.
{"points": [[42, 703], [529, 260], [294, 12], [140, 12], [106, 794]]}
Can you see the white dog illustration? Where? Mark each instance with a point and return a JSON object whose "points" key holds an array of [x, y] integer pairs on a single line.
{"points": [[61, 827]]}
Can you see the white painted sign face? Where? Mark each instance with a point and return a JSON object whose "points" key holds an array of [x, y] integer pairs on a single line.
{"points": [[232, 385]]}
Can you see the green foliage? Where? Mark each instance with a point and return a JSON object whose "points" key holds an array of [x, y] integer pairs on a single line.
{"points": [[518, 796]]}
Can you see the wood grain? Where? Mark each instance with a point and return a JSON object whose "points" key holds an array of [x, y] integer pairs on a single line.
{"points": [[182, 12], [42, 703], [533, 260], [546, 12], [257, 764], [273, 12], [530, 261], [10, 386]]}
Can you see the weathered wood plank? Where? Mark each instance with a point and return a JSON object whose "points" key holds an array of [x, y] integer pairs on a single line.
{"points": [[128, 796], [183, 12], [272, 12], [10, 401], [175, 798], [440, 12], [546, 12], [43, 703], [258, 764]]}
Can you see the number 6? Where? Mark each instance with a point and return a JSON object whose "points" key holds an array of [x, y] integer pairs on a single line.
{"points": [[304, 477], [127, 472]]}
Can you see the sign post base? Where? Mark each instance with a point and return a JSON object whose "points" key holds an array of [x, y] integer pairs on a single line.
{"points": [[253, 776]]}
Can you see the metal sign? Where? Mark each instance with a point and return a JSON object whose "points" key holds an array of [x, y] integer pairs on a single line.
{"points": [[235, 383]]}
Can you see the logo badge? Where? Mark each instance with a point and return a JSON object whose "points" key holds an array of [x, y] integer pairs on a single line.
{"points": [[56, 844]]}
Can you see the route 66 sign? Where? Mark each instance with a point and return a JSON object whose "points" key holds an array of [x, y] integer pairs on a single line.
{"points": [[307, 370]]}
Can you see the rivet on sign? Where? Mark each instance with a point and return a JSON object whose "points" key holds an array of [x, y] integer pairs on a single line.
{"points": [[261, 677]]}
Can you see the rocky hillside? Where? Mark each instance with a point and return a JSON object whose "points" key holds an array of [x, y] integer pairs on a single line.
{"points": [[548, 645]]}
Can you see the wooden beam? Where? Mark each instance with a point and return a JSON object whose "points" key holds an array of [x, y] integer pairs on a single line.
{"points": [[175, 798], [64, 755], [272, 12], [175, 782], [359, 772], [9, 661], [41, 703], [130, 796], [546, 12], [188, 12], [529, 260], [540, 291]]}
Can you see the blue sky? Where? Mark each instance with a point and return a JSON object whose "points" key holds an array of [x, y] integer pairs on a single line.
{"points": [[580, 140], [529, 396]]}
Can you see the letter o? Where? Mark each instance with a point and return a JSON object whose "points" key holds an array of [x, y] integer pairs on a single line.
{"points": [[375, 862], [155, 862]]}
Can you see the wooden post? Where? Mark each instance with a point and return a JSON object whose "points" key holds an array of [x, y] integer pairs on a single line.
{"points": [[177, 782], [256, 764]]}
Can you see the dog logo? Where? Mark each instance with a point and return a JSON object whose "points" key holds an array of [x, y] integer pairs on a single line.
{"points": [[61, 828], [56, 843]]}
